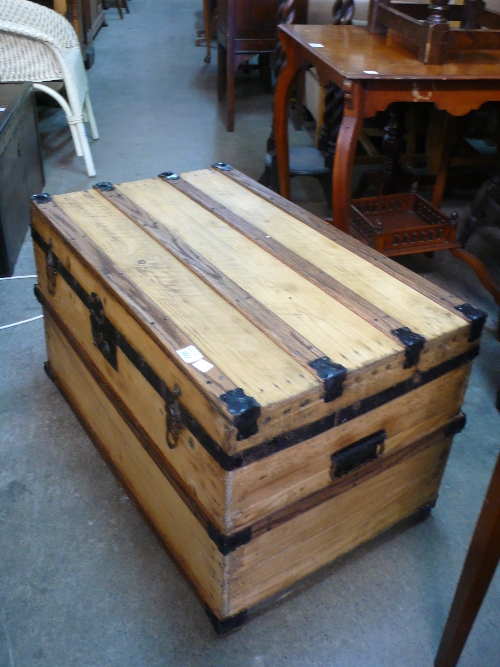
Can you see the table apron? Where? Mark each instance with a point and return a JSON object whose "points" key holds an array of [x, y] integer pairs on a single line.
{"points": [[457, 98]]}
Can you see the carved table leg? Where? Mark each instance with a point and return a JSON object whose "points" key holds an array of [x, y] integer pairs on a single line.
{"points": [[479, 568], [281, 100], [347, 140]]}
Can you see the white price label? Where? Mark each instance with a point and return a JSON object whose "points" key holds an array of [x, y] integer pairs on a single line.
{"points": [[203, 365], [190, 354]]}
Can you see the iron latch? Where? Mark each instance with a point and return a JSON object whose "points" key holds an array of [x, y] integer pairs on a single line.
{"points": [[174, 418], [103, 332]]}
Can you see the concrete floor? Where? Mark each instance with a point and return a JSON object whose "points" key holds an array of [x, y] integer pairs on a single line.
{"points": [[83, 581]]}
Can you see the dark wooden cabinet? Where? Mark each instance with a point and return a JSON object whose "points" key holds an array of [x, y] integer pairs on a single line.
{"points": [[21, 168], [87, 17], [246, 28]]}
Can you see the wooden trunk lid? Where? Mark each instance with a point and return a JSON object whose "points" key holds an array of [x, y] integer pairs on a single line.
{"points": [[275, 318]]}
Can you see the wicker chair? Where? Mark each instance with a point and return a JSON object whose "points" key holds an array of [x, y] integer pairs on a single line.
{"points": [[39, 45]]}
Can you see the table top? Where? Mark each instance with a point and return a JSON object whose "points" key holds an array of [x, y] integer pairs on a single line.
{"points": [[355, 53]]}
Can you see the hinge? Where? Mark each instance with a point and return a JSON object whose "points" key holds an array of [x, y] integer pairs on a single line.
{"points": [[245, 411], [476, 317], [103, 332], [333, 376], [413, 343]]}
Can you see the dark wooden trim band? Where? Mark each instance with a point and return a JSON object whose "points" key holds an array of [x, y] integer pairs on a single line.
{"points": [[350, 412], [226, 461], [264, 319], [213, 383], [122, 481], [335, 289], [148, 444], [289, 438], [355, 478], [228, 543], [428, 289]]}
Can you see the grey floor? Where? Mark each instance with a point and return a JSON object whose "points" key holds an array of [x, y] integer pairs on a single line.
{"points": [[83, 581]]}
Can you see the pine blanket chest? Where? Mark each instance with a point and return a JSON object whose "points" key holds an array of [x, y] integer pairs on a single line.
{"points": [[270, 391]]}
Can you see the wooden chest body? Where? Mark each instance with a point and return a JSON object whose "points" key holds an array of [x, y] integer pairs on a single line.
{"points": [[306, 428]]}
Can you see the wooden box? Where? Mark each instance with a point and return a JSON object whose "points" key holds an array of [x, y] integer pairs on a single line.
{"points": [[402, 224], [271, 391], [21, 168]]}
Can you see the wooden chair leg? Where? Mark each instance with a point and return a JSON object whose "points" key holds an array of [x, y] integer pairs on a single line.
{"points": [[230, 75], [126, 6], [479, 568], [119, 7], [480, 271], [221, 71]]}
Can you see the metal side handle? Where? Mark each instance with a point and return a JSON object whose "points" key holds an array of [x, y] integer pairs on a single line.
{"points": [[359, 453]]}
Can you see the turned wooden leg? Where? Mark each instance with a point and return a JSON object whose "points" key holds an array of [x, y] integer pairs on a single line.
{"points": [[208, 35], [119, 6], [281, 101], [342, 170], [479, 568]]}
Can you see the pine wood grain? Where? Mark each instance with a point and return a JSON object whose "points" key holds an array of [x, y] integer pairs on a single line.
{"points": [[329, 325], [181, 532], [383, 263], [388, 293], [189, 464], [66, 303], [278, 558], [228, 339], [288, 476]]}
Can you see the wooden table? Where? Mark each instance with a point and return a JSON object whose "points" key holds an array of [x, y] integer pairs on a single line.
{"points": [[373, 73]]}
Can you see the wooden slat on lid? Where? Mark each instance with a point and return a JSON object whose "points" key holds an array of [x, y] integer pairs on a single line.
{"points": [[239, 349], [329, 325], [397, 299]]}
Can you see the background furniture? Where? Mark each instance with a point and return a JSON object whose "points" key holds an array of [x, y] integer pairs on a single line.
{"points": [[426, 27], [372, 74], [210, 29], [21, 168], [39, 45], [246, 28], [479, 568], [86, 17]]}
